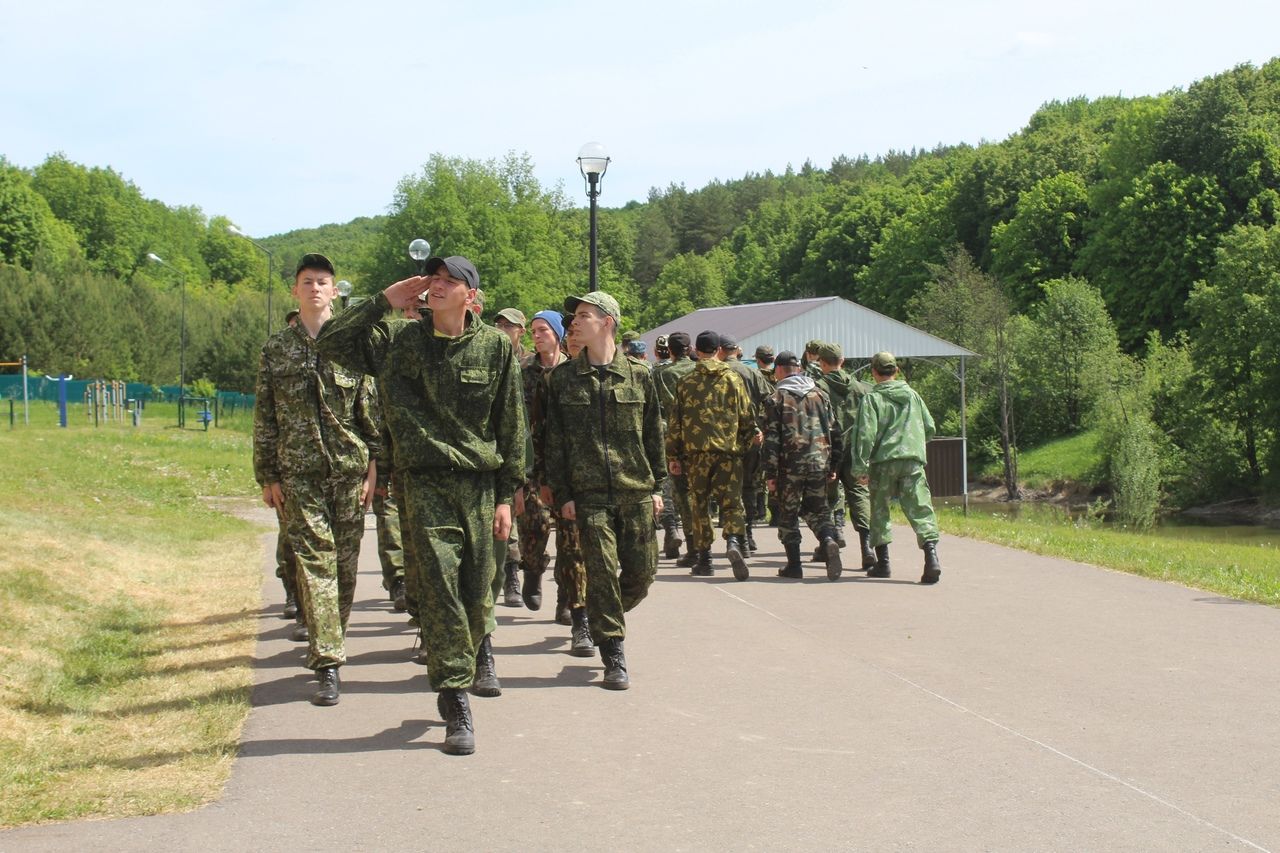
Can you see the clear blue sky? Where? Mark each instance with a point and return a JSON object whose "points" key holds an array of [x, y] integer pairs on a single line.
{"points": [[286, 115]]}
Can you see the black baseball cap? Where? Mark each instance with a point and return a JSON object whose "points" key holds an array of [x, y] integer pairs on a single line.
{"points": [[680, 340], [786, 358], [314, 261], [458, 267], [708, 341]]}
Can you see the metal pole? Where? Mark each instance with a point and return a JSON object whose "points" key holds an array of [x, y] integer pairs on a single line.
{"points": [[26, 403], [182, 352], [593, 192], [964, 439], [269, 260]]}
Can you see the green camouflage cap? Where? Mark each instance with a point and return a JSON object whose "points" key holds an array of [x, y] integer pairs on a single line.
{"points": [[514, 316], [883, 362], [599, 299], [630, 335], [829, 352], [812, 346]]}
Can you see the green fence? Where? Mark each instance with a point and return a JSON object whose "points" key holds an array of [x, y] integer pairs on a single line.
{"points": [[40, 387]]}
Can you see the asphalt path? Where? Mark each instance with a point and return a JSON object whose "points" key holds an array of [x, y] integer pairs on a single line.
{"points": [[1023, 704]]}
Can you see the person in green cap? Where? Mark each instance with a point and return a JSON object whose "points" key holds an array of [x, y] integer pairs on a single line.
{"points": [[605, 466], [846, 392], [894, 425]]}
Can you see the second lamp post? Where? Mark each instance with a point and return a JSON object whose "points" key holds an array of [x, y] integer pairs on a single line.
{"points": [[593, 160]]}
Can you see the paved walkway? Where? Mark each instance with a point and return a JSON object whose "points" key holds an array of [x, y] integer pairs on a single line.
{"points": [[1024, 703]]}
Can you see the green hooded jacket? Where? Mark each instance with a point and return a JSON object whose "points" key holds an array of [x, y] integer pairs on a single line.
{"points": [[894, 423]]}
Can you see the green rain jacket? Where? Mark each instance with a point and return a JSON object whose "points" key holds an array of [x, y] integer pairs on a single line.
{"points": [[894, 423]]}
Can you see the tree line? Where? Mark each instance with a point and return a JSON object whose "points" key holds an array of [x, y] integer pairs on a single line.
{"points": [[1130, 239]]}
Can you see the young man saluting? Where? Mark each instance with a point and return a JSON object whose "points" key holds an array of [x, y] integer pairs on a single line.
{"points": [[605, 465], [456, 420]]}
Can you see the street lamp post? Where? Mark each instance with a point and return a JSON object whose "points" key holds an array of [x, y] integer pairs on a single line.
{"points": [[420, 251], [593, 160], [270, 258], [182, 333], [344, 290]]}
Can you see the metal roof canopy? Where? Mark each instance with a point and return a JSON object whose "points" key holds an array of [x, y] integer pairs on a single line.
{"points": [[790, 324]]}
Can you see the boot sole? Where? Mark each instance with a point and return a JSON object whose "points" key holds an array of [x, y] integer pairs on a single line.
{"points": [[488, 691], [324, 702], [740, 570], [617, 685], [459, 748], [514, 601], [834, 568], [583, 653], [930, 578]]}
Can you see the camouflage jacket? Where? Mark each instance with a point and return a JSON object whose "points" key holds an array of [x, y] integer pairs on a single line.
{"points": [[603, 434], [312, 417], [711, 412], [758, 388], [666, 377], [535, 378], [799, 431], [845, 391], [893, 423], [453, 404]]}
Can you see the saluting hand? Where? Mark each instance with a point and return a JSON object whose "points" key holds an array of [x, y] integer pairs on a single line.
{"points": [[405, 293]]}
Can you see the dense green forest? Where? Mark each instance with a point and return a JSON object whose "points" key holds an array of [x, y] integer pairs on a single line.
{"points": [[1116, 262]]}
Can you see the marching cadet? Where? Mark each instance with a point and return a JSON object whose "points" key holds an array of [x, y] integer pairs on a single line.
{"points": [[800, 458], [457, 426], [605, 466], [315, 435], [845, 391], [894, 425]]}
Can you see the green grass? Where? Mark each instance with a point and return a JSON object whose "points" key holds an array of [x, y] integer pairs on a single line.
{"points": [[1197, 557], [127, 607], [1075, 459]]}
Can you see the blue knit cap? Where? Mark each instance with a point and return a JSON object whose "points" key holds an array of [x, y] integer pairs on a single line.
{"points": [[552, 319]]}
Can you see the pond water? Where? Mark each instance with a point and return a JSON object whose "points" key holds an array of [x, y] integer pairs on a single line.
{"points": [[1168, 527]]}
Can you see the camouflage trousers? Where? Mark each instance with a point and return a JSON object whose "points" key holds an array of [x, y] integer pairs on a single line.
{"points": [[675, 500], [715, 476], [902, 479], [535, 532], [326, 523], [390, 547], [286, 562], [412, 573], [752, 481], [620, 549], [448, 518], [858, 495], [802, 494]]}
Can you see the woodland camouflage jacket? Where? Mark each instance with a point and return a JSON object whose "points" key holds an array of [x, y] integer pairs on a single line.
{"points": [[711, 412]]}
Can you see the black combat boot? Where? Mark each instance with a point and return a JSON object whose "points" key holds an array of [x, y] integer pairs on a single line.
{"points": [[511, 584], [932, 568], [831, 550], [300, 634], [399, 597], [690, 558], [703, 567], [671, 542], [819, 553], [290, 601], [486, 680], [738, 558], [459, 732], [580, 645], [792, 569], [751, 540], [328, 692], [531, 592], [615, 664], [881, 568], [868, 556]]}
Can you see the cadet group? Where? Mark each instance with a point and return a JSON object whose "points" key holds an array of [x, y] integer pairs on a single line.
{"points": [[471, 452]]}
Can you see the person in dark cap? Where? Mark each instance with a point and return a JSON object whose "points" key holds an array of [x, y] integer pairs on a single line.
{"points": [[846, 392], [710, 426], [662, 349], [764, 363], [315, 441], [758, 389], [456, 417], [665, 378], [506, 584], [605, 466], [801, 455], [894, 425]]}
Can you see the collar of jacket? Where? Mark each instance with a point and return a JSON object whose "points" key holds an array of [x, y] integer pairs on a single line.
{"points": [[618, 365], [712, 365], [470, 324]]}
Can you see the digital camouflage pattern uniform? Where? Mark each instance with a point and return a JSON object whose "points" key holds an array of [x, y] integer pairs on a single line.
{"points": [[665, 379], [893, 426], [845, 392], [710, 426], [315, 427], [758, 389], [456, 419], [570, 570], [604, 452], [387, 514], [801, 448]]}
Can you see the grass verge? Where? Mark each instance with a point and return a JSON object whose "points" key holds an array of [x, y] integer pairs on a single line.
{"points": [[127, 619], [1074, 459], [1195, 557]]}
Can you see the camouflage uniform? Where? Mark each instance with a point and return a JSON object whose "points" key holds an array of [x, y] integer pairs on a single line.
{"points": [[286, 562], [758, 389], [893, 426], [315, 428], [604, 452], [710, 425], [846, 392], [570, 569], [457, 427], [665, 381], [801, 448]]}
